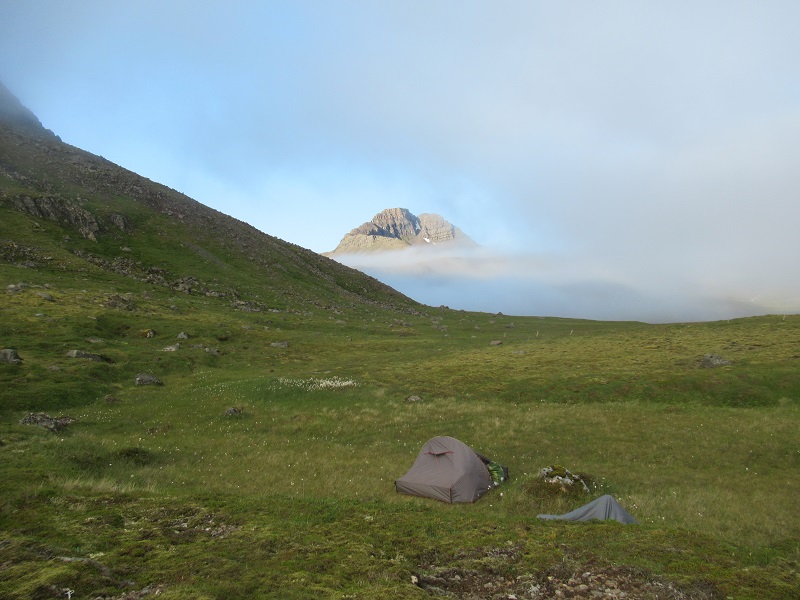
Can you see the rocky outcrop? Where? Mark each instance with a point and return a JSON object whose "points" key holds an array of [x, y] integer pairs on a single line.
{"points": [[44, 420], [65, 212], [397, 229], [434, 229]]}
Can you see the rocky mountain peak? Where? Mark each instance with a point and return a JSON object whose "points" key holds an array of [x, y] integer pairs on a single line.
{"points": [[396, 223], [398, 228]]}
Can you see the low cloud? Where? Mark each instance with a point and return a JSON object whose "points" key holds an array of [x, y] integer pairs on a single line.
{"points": [[562, 286]]}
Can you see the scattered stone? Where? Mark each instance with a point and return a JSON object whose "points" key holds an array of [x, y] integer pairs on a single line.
{"points": [[85, 355], [246, 306], [120, 302], [223, 531], [496, 343], [45, 296], [94, 340], [184, 284], [10, 356], [173, 348], [183, 335], [147, 379], [46, 421], [413, 398], [710, 361], [479, 580], [213, 351], [280, 344], [147, 333]]}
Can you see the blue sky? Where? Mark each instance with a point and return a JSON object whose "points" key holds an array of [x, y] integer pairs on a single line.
{"points": [[618, 159]]}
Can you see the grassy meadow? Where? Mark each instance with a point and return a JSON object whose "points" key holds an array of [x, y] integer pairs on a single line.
{"points": [[158, 490]]}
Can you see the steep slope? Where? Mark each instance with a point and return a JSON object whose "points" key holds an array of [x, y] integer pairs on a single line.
{"points": [[64, 208], [397, 229]]}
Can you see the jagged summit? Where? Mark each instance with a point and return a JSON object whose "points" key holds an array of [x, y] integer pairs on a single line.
{"points": [[397, 229]]}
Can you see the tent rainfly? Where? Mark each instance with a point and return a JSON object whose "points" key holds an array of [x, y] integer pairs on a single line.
{"points": [[447, 469], [605, 507]]}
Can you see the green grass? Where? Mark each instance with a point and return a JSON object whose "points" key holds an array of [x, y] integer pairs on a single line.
{"points": [[161, 491], [294, 497]]}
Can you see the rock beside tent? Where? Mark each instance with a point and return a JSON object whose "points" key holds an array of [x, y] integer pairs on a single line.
{"points": [[558, 475]]}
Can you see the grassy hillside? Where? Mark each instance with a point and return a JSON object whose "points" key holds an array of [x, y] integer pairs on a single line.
{"points": [[163, 490]]}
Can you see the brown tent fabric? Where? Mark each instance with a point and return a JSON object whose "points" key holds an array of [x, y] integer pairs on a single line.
{"points": [[448, 470]]}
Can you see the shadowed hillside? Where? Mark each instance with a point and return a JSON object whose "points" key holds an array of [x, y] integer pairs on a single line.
{"points": [[77, 211]]}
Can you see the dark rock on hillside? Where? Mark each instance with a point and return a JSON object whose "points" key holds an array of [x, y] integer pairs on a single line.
{"points": [[147, 379], [59, 211], [10, 356], [46, 421], [82, 354], [119, 302], [121, 222]]}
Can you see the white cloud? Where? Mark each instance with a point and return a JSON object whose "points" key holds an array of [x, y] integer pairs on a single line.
{"points": [[642, 153]]}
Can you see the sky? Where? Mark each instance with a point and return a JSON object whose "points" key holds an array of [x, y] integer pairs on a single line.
{"points": [[614, 160]]}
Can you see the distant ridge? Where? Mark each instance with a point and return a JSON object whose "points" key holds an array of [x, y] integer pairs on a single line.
{"points": [[398, 229], [14, 113]]}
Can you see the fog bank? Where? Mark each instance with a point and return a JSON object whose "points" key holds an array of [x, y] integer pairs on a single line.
{"points": [[562, 286]]}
